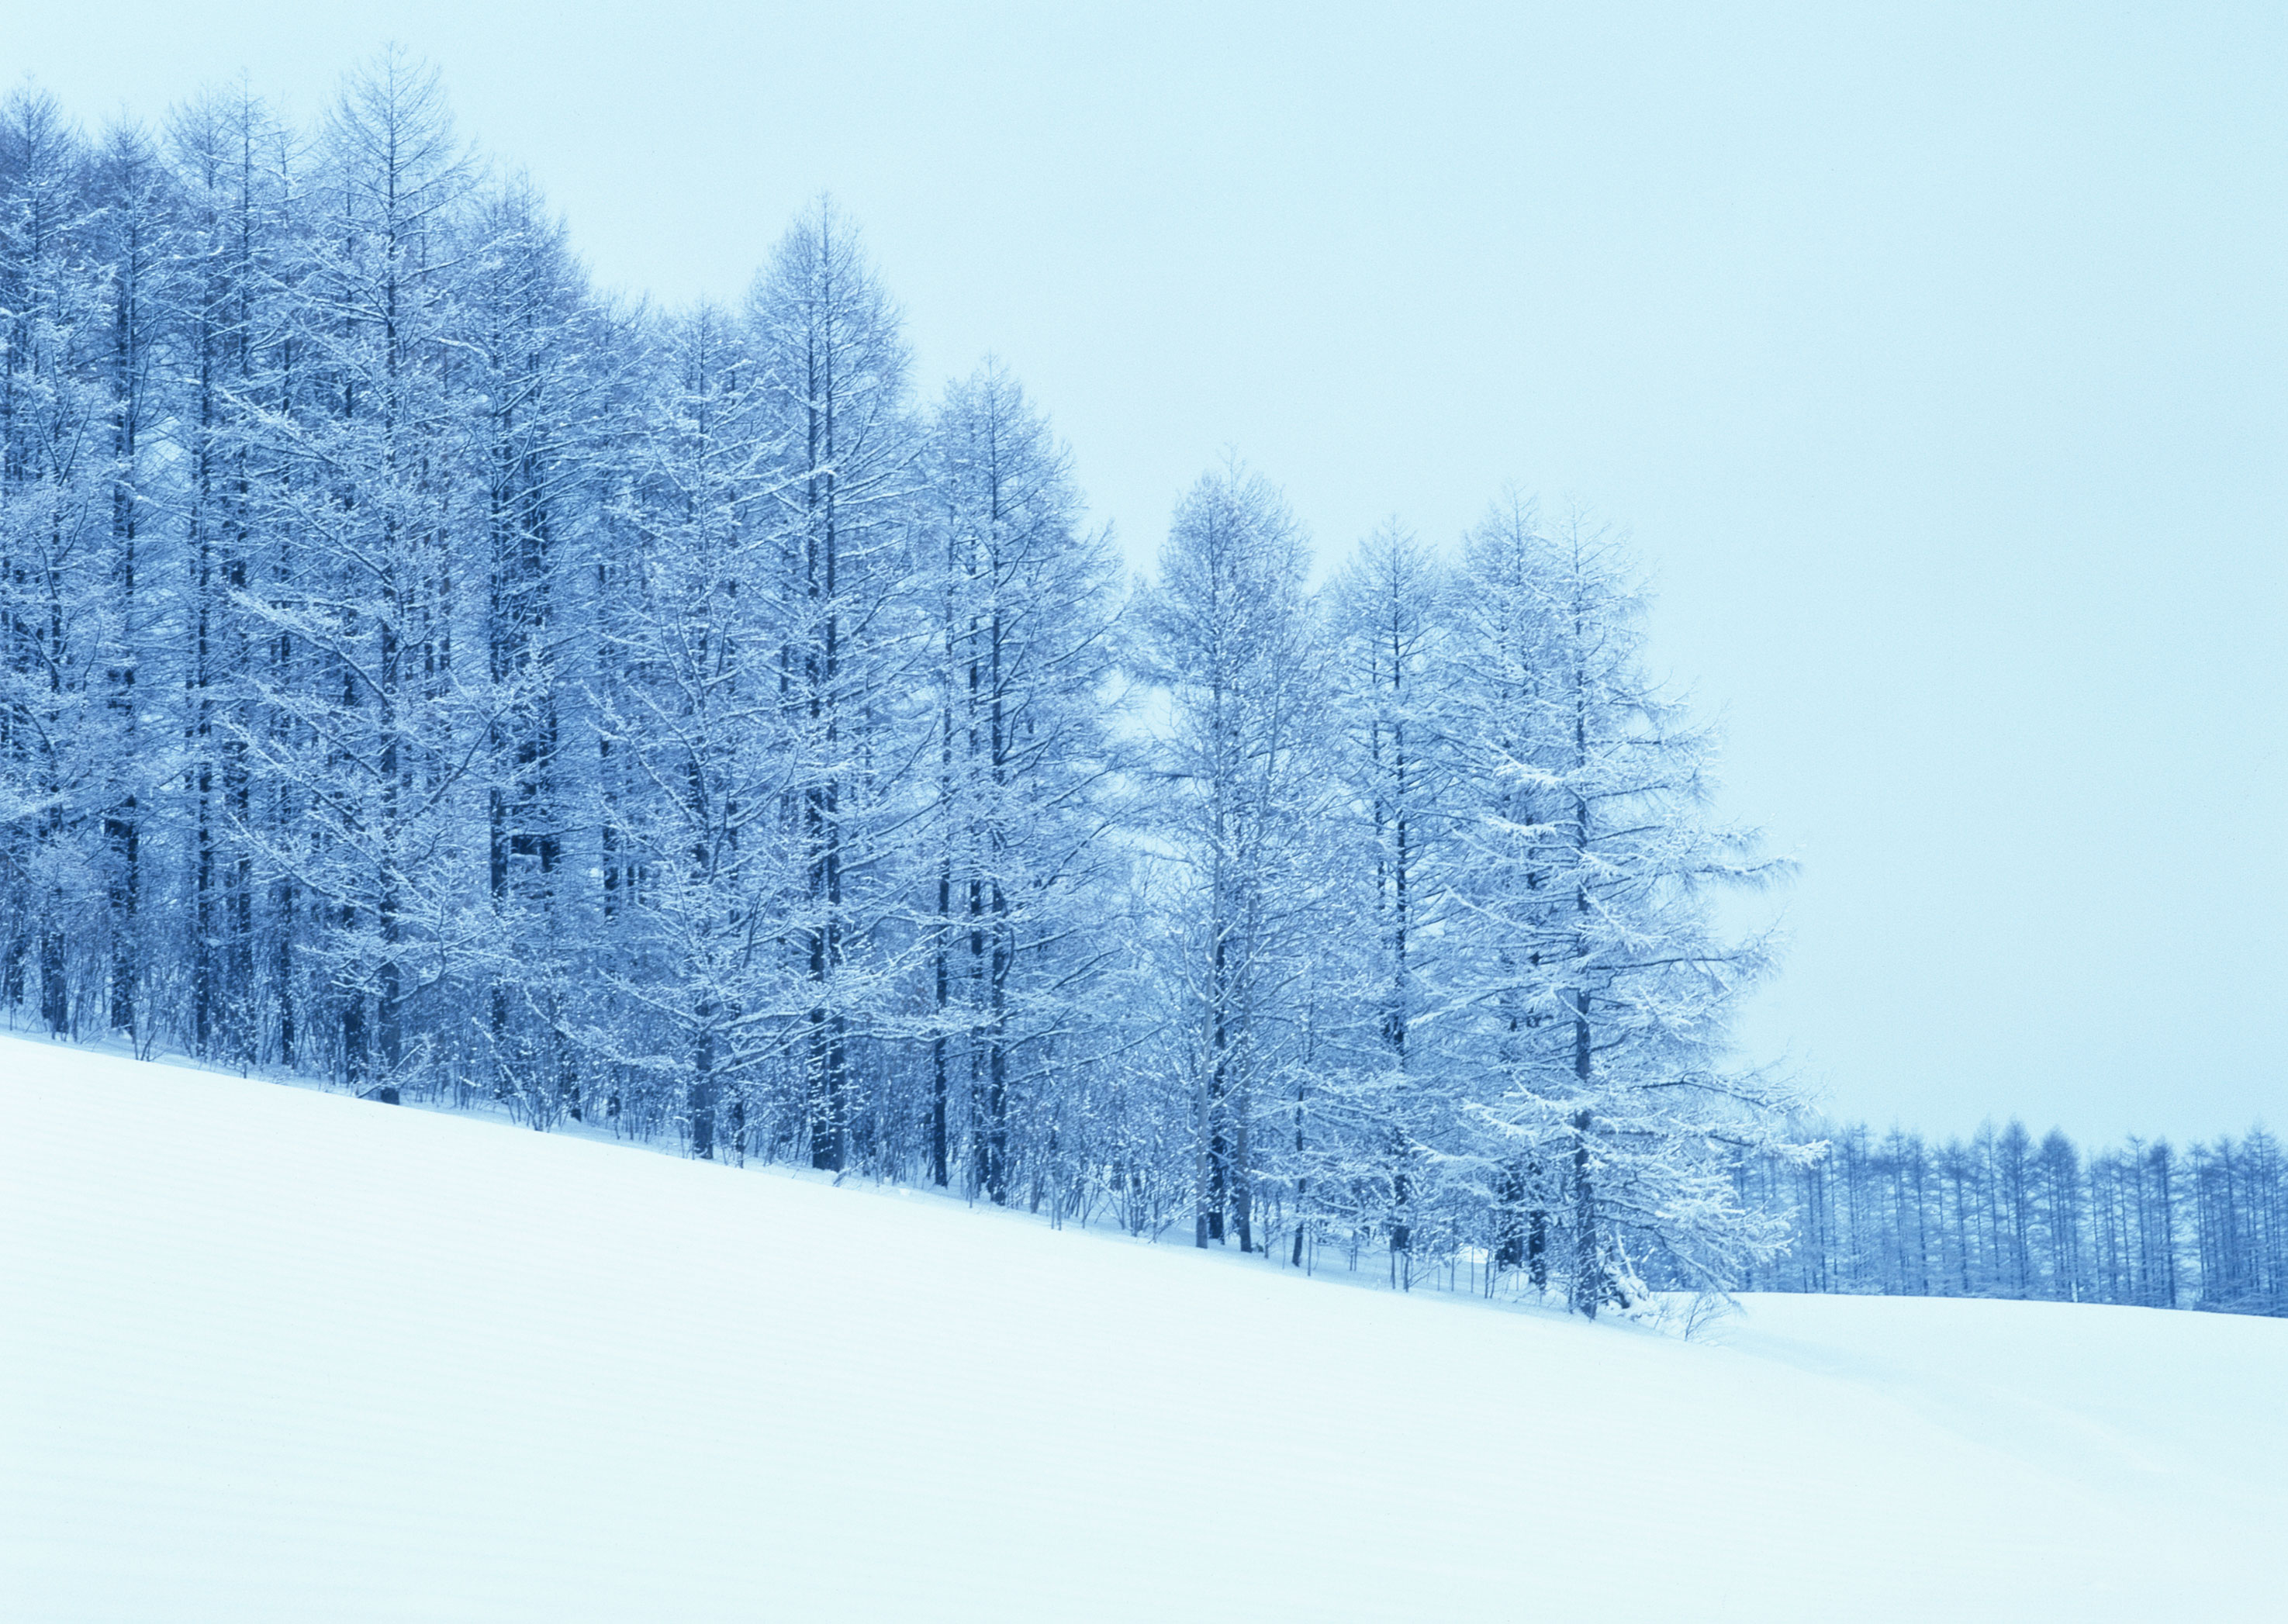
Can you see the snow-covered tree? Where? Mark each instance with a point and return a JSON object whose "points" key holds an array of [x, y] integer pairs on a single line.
{"points": [[1023, 601], [235, 314], [384, 715], [703, 888], [133, 238], [831, 402], [1227, 634], [1386, 1098], [543, 398], [62, 613], [1597, 984]]}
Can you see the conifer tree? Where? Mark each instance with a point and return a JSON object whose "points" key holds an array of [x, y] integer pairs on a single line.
{"points": [[1389, 1098], [1227, 633], [1024, 604], [831, 401], [1599, 988], [61, 618]]}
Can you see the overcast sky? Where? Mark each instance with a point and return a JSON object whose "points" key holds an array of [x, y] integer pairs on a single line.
{"points": [[1935, 357]]}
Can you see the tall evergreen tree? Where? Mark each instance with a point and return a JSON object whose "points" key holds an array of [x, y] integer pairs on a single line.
{"points": [[62, 620], [831, 401], [700, 896], [1227, 634], [545, 367], [1600, 986], [1023, 598], [1389, 1101], [380, 725]]}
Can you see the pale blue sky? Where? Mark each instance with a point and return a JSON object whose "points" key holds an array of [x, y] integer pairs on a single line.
{"points": [[1935, 356]]}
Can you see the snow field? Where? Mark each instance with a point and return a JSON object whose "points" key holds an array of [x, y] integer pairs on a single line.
{"points": [[273, 1354]]}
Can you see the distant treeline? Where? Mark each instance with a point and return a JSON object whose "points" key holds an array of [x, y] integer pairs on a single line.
{"points": [[2002, 1215]]}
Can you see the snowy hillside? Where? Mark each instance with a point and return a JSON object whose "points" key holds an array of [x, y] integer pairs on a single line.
{"points": [[271, 1354]]}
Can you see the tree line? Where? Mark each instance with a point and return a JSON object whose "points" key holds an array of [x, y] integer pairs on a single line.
{"points": [[2000, 1214], [420, 672]]}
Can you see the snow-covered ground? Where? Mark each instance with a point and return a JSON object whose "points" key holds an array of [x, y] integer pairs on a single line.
{"points": [[269, 1354]]}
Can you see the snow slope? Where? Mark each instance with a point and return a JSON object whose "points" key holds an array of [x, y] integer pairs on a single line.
{"points": [[270, 1354]]}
